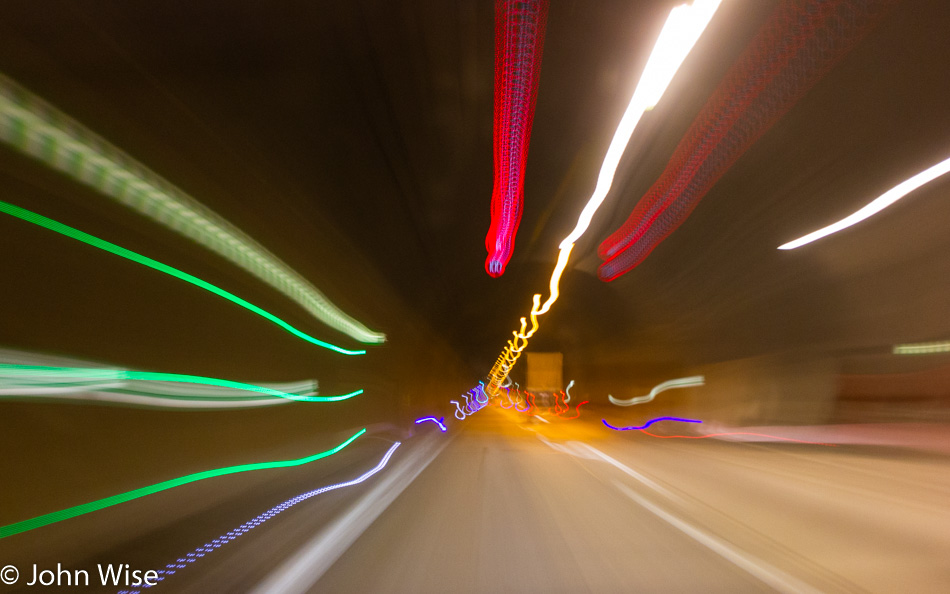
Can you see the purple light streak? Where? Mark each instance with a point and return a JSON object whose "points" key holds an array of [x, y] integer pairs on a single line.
{"points": [[217, 543], [440, 422]]}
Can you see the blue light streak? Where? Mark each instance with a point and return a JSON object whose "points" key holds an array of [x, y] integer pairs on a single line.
{"points": [[480, 389]]}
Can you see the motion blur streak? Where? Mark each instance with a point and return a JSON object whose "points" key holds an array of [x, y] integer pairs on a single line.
{"points": [[458, 410], [37, 219], [922, 348], [650, 422], [519, 44], [35, 128], [34, 374], [781, 581], [802, 40], [72, 512], [440, 422], [680, 33], [775, 437], [137, 393], [684, 382], [217, 543], [577, 410], [875, 206]]}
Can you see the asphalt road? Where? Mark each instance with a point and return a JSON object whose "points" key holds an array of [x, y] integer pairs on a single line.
{"points": [[517, 507], [507, 503]]}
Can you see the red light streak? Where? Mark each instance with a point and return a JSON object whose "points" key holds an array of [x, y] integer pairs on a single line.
{"points": [[578, 409], [519, 43], [801, 41], [831, 445]]}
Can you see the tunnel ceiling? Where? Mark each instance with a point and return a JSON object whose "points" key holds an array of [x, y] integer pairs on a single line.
{"points": [[376, 118]]}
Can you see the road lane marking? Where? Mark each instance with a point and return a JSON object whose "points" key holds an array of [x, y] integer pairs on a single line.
{"points": [[759, 569], [630, 472], [209, 547], [304, 568]]}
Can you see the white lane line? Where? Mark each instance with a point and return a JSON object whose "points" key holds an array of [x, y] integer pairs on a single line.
{"points": [[542, 418], [774, 577], [630, 472], [304, 568], [568, 448], [759, 569]]}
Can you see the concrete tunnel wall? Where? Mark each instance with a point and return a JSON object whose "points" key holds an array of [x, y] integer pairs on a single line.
{"points": [[790, 388], [82, 303]]}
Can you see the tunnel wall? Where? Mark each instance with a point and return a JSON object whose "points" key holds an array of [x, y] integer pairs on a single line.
{"points": [[63, 298], [795, 388]]}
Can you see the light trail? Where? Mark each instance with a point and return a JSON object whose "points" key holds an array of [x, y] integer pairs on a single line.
{"points": [[57, 227], [875, 206], [527, 404], [684, 382], [440, 422], [151, 397], [480, 389], [79, 510], [797, 45], [557, 405], [146, 400], [137, 393], [473, 404], [209, 547], [567, 392], [650, 422], [577, 409], [37, 129], [923, 348], [458, 410], [680, 33], [36, 373], [519, 44], [775, 437]]}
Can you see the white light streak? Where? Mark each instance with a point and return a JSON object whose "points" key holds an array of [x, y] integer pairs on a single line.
{"points": [[875, 206], [923, 348], [37, 129], [683, 382], [680, 33]]}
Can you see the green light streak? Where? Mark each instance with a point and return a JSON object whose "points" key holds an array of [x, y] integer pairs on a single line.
{"points": [[72, 512], [87, 374], [37, 129], [37, 219]]}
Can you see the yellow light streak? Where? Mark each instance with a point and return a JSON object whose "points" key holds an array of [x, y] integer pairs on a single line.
{"points": [[680, 32]]}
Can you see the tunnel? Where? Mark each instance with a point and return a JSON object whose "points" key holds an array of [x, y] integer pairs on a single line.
{"points": [[427, 296]]}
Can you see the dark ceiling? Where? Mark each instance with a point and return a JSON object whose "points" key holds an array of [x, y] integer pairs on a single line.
{"points": [[375, 119]]}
